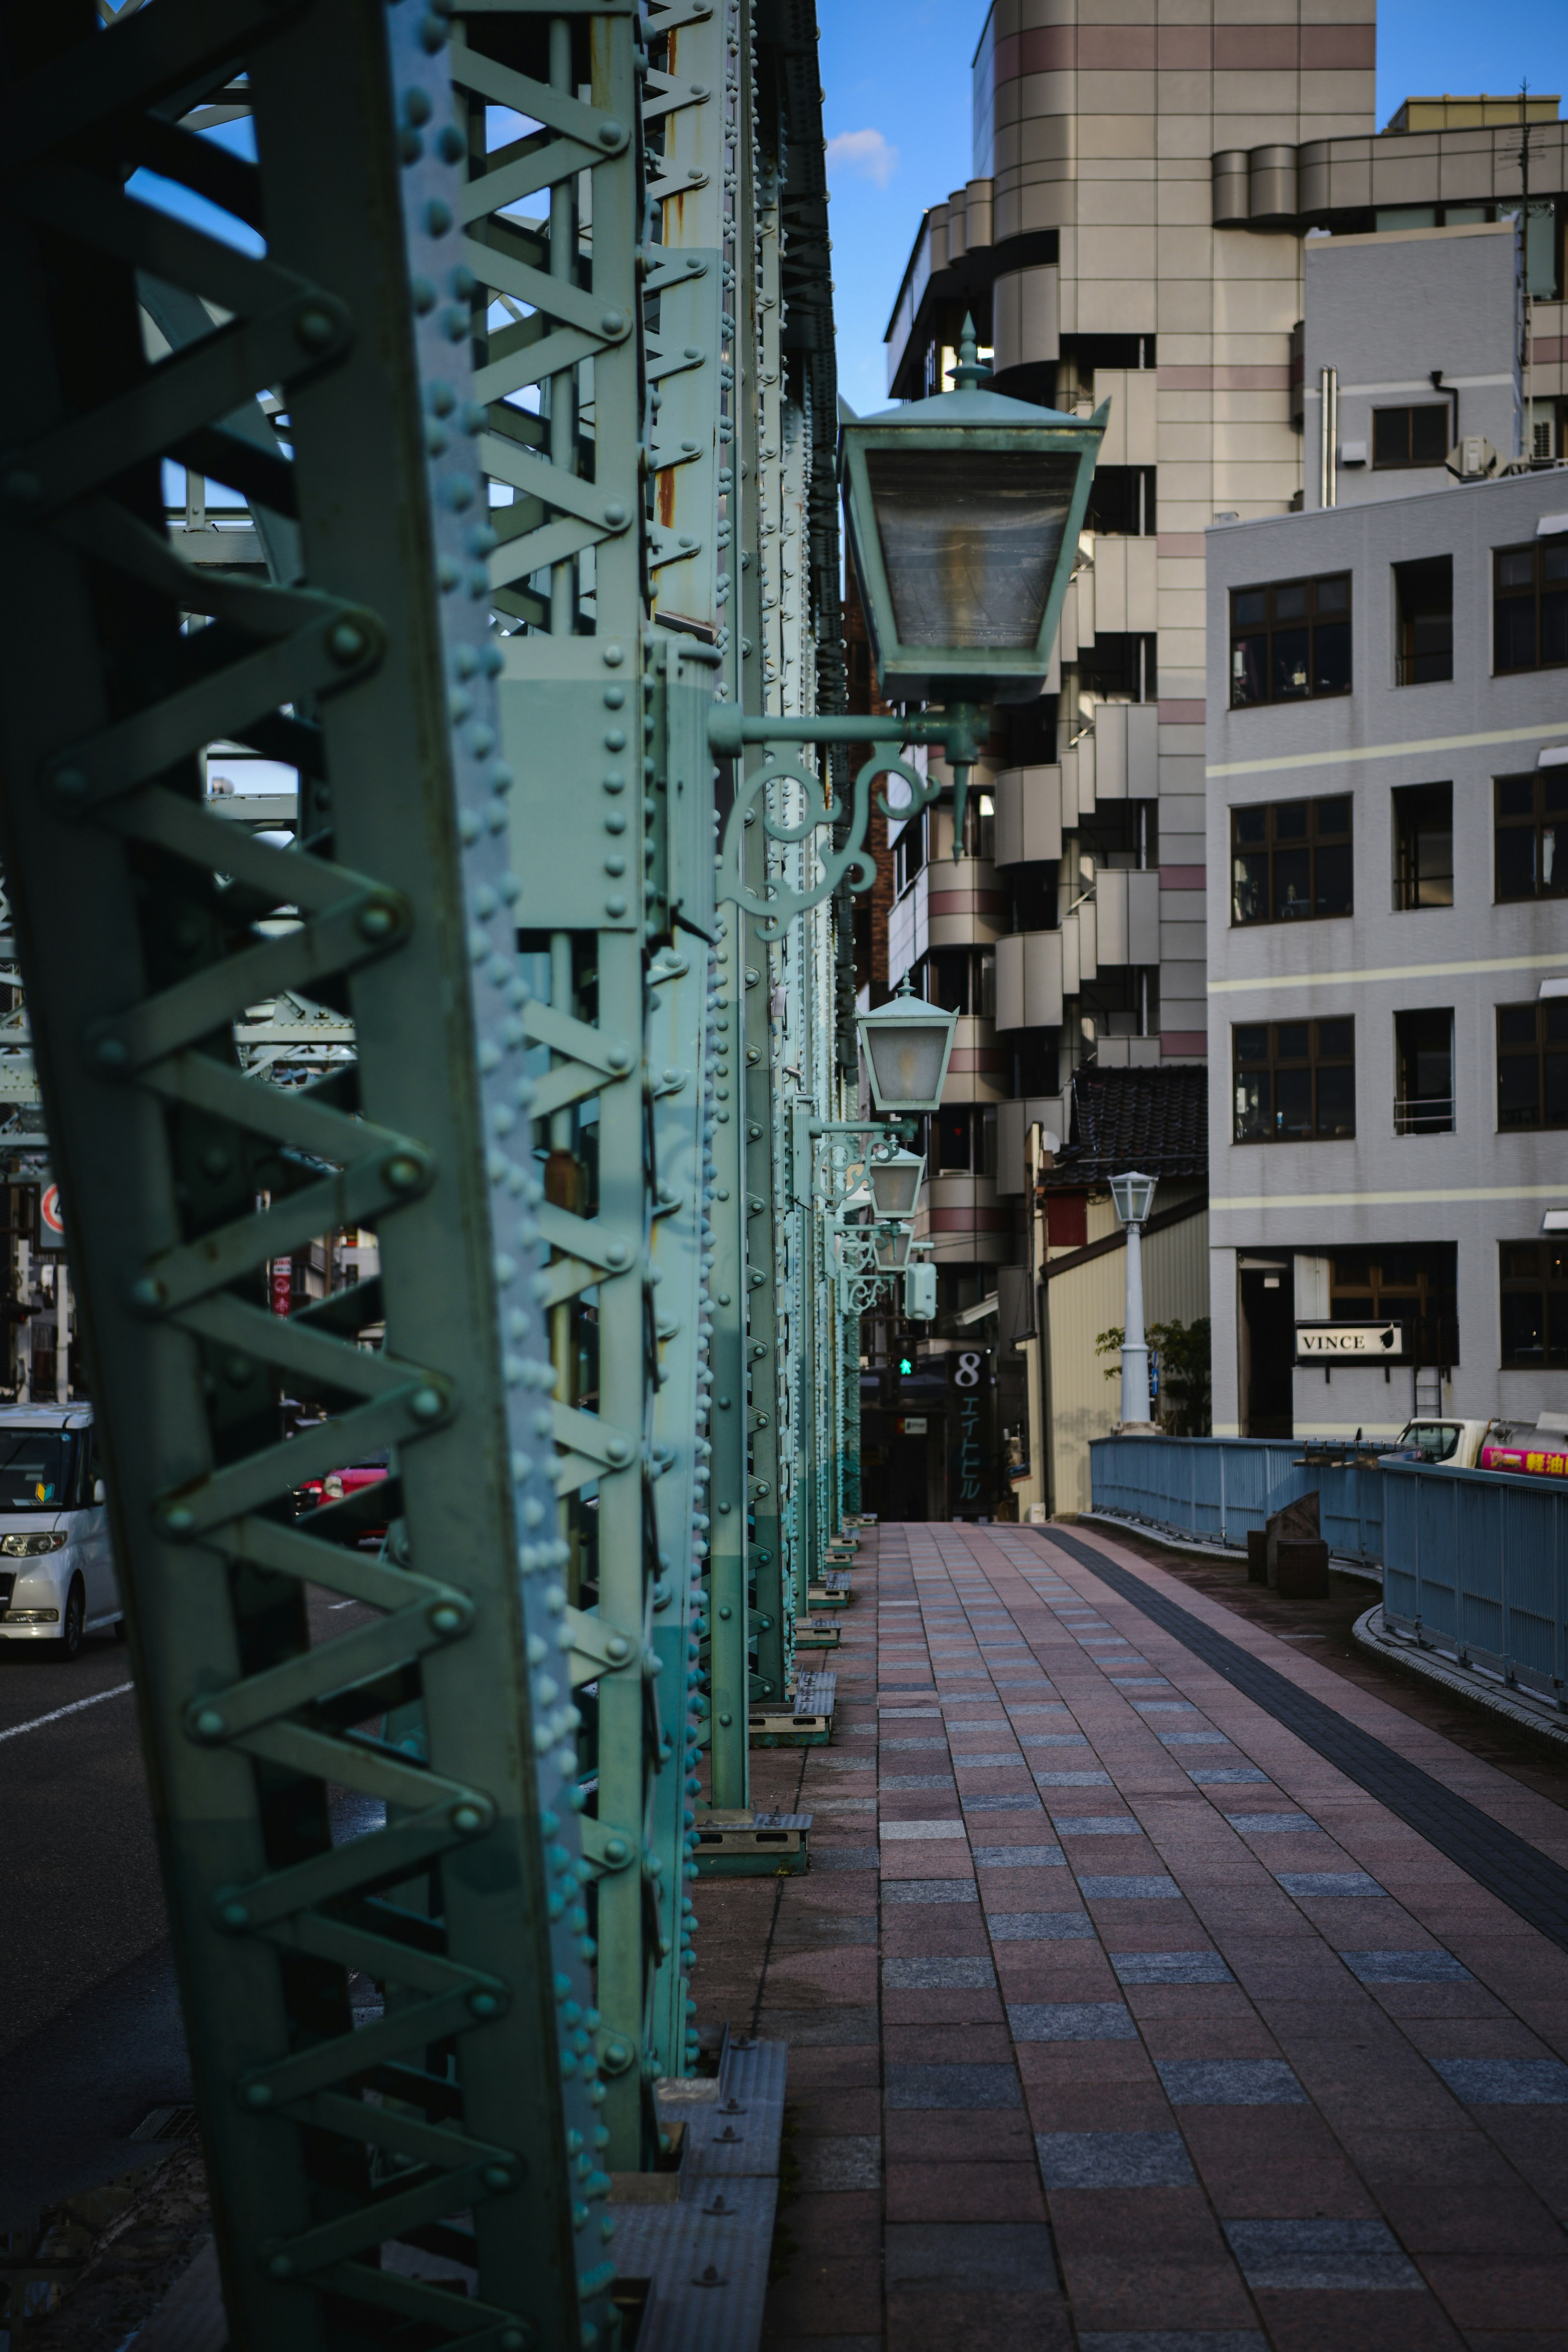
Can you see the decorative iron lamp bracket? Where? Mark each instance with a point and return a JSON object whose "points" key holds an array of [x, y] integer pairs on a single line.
{"points": [[730, 731]]}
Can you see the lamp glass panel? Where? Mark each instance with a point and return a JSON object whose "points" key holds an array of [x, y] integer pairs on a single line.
{"points": [[896, 1184], [1134, 1197], [893, 1249], [969, 540], [906, 1059]]}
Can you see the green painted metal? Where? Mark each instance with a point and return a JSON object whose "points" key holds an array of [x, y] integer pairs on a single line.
{"points": [[459, 2116]]}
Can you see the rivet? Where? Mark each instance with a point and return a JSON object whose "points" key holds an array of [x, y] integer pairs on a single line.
{"points": [[614, 514], [611, 133], [313, 329], [446, 1618], [70, 784], [466, 1819], [377, 920], [209, 1723], [438, 216], [23, 486], [615, 906], [613, 657], [483, 2004], [176, 1520], [346, 642], [281, 2266], [426, 1404], [495, 2176], [259, 2094], [110, 1053], [235, 1914], [402, 1171], [416, 106]]}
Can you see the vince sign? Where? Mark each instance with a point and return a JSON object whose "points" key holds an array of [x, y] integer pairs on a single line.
{"points": [[1349, 1343]]}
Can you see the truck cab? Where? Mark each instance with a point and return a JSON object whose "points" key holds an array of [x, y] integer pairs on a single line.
{"points": [[1457, 1442]]}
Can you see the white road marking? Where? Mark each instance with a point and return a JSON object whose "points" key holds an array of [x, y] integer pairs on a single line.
{"points": [[75, 1708]]}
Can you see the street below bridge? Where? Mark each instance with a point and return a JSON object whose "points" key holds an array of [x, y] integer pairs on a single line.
{"points": [[1120, 2016]]}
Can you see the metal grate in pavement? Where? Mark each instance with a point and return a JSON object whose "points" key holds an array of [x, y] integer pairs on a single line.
{"points": [[1515, 1871]]}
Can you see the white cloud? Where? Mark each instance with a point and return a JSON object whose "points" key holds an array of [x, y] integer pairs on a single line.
{"points": [[865, 151]]}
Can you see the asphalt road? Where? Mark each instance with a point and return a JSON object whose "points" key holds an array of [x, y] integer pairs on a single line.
{"points": [[89, 2035]]}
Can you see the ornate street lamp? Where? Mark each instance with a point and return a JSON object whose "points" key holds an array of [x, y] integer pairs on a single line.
{"points": [[894, 1243], [963, 513], [906, 1043], [1133, 1196], [895, 1179]]}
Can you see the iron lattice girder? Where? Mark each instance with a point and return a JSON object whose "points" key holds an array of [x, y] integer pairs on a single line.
{"points": [[160, 1143]]}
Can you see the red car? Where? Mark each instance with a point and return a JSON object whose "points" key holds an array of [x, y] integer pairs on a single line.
{"points": [[337, 1483]]}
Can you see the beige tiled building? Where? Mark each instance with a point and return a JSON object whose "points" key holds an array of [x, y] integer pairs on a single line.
{"points": [[1146, 175]]}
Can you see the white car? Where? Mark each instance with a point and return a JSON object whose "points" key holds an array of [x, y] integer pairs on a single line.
{"points": [[57, 1567]]}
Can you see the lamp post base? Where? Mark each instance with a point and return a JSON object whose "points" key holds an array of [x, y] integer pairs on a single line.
{"points": [[1137, 1429]]}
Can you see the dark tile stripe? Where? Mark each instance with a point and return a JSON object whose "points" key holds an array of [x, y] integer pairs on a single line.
{"points": [[1516, 1873]]}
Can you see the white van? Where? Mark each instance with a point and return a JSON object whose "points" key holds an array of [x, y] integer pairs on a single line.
{"points": [[57, 1567]]}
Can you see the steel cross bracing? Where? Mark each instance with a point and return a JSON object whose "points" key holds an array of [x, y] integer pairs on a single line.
{"points": [[388, 1991]]}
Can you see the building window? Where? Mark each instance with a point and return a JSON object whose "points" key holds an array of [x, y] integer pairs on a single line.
{"points": [[1291, 860], [961, 979], [1417, 1285], [909, 853], [1423, 846], [1122, 502], [1423, 1072], [1290, 642], [1424, 596], [962, 1140], [1533, 1064], [1295, 1081], [1410, 436], [1534, 1287], [1530, 606], [1531, 819]]}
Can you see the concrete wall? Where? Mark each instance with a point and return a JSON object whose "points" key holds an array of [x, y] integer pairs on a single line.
{"points": [[1385, 312]]}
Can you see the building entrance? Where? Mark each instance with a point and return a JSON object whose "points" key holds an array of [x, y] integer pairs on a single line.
{"points": [[1268, 1347]]}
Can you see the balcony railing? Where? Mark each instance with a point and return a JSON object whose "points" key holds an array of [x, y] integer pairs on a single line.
{"points": [[1423, 1115]]}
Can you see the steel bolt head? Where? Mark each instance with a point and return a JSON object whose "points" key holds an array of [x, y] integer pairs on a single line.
{"points": [[377, 920], [313, 329], [70, 784], [615, 1849], [446, 1618], [235, 1914], [484, 2004], [495, 2176], [403, 1170], [147, 1292], [347, 642], [175, 1519], [259, 2094], [611, 133], [208, 1723], [426, 1404], [281, 2266], [111, 1053]]}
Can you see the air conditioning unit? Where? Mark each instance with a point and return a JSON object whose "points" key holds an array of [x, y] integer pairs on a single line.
{"points": [[1474, 459], [1352, 454]]}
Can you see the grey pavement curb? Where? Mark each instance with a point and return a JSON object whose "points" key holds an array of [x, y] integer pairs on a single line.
{"points": [[1462, 1682]]}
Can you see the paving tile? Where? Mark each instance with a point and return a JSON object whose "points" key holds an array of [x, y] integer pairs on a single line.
{"points": [[929, 1890], [923, 2319], [951, 2086], [904, 1747], [916, 1780], [1148, 1888], [1225, 1776], [957, 2136], [1095, 1825], [979, 2192], [988, 1763], [911, 1831], [1050, 1738], [970, 2257], [1018, 1857], [1271, 1824], [1114, 2160], [844, 1857], [1362, 2255], [851, 2162], [1070, 2020], [1231, 2082], [1000, 1803], [1039, 1926], [1087, 1779], [1195, 1738], [1423, 1965], [925, 1974], [1325, 1883], [1170, 1968], [1164, 2339], [1506, 2082]]}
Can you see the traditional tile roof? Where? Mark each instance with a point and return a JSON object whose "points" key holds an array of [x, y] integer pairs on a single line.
{"points": [[1155, 1121]]}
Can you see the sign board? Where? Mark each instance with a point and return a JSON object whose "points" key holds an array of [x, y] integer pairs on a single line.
{"points": [[282, 1286], [913, 1424], [1349, 1343], [971, 1443], [51, 1219]]}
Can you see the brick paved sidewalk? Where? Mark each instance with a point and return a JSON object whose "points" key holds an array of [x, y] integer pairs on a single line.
{"points": [[1120, 2019]]}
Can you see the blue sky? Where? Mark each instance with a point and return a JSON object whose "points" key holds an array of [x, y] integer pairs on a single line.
{"points": [[897, 77]]}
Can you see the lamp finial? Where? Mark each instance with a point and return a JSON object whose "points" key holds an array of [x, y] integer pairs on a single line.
{"points": [[971, 370]]}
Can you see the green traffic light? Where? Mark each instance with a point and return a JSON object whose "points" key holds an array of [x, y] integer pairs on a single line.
{"points": [[905, 1364]]}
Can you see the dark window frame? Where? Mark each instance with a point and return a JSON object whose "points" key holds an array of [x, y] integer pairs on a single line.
{"points": [[1412, 826], [1536, 609], [1429, 1309], [1546, 1053], [1274, 851], [1546, 827], [1383, 435], [1271, 629], [1534, 1269], [1420, 614], [1416, 1113], [1293, 1048]]}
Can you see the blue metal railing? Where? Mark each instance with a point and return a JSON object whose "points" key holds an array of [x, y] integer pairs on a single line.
{"points": [[1475, 1563], [1218, 1489]]}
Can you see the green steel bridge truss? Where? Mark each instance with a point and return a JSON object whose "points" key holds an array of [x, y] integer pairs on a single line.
{"points": [[509, 327]]}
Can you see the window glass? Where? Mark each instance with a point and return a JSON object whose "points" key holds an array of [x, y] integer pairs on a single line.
{"points": [[1529, 607], [1531, 854], [1531, 1065], [34, 1470], [1533, 1278], [1290, 641], [1291, 861], [1294, 1081]]}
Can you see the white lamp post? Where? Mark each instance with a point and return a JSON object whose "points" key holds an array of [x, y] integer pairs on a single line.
{"points": [[1134, 1197]]}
